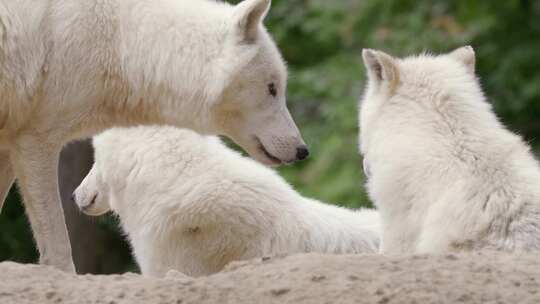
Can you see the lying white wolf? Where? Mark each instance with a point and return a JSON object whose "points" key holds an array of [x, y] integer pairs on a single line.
{"points": [[189, 203], [444, 173], [69, 69]]}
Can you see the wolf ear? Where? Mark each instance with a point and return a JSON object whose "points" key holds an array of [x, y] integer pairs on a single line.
{"points": [[381, 67], [248, 16], [466, 56]]}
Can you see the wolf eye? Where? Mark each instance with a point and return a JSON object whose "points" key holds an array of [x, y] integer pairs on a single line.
{"points": [[272, 89]]}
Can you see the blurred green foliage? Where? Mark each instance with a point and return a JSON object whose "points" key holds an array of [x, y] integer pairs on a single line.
{"points": [[322, 41], [15, 234]]}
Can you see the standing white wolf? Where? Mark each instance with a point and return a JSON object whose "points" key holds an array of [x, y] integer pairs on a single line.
{"points": [[189, 203], [444, 173], [69, 69]]}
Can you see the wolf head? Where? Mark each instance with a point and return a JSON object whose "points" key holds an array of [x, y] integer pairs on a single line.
{"points": [[252, 107], [417, 96], [91, 195], [421, 118]]}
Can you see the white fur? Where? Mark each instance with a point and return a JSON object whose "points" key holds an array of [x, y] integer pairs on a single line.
{"points": [[189, 203], [444, 173], [70, 69]]}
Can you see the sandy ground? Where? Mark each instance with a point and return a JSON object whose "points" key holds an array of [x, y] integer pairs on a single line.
{"points": [[312, 278]]}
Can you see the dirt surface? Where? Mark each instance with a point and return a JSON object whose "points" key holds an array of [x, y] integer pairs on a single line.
{"points": [[310, 278]]}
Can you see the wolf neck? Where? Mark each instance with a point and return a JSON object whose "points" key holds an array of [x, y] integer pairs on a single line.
{"points": [[170, 57]]}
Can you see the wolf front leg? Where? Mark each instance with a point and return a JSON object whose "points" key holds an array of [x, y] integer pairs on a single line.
{"points": [[35, 163], [6, 176]]}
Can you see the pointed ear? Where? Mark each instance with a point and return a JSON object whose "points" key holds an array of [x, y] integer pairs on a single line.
{"points": [[381, 67], [466, 56], [248, 16]]}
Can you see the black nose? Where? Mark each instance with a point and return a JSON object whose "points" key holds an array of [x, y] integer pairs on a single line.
{"points": [[302, 153], [73, 197]]}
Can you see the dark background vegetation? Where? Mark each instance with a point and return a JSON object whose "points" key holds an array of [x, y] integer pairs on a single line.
{"points": [[322, 42]]}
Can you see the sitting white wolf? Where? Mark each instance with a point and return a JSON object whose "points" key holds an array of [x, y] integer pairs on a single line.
{"points": [[189, 203], [71, 69], [444, 173]]}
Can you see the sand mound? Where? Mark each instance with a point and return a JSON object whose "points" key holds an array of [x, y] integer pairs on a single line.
{"points": [[309, 278]]}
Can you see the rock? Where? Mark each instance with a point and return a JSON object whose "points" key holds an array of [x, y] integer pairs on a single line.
{"points": [[457, 278]]}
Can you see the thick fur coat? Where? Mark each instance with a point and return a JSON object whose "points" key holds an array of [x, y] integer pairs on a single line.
{"points": [[189, 203], [444, 172], [70, 69]]}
